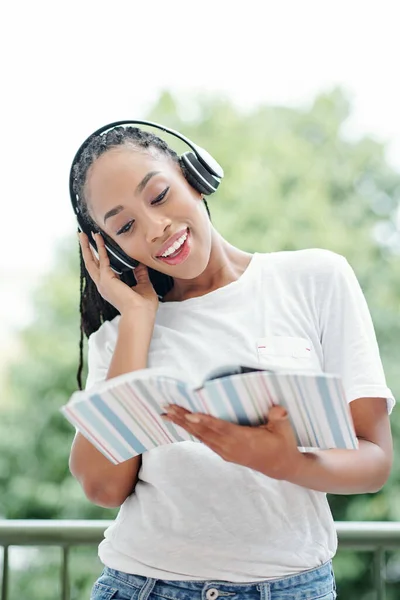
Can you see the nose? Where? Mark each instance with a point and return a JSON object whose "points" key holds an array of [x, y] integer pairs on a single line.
{"points": [[156, 226]]}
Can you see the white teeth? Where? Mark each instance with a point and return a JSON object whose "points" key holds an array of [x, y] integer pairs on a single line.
{"points": [[175, 246]]}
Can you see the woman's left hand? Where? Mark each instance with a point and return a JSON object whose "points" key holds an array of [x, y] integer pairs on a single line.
{"points": [[270, 449]]}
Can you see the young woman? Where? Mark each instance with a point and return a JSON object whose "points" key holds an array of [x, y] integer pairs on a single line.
{"points": [[243, 514]]}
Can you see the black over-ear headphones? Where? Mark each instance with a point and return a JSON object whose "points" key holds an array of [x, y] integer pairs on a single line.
{"points": [[202, 172]]}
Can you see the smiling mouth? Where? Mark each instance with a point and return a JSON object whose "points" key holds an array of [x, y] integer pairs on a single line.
{"points": [[178, 251], [174, 249]]}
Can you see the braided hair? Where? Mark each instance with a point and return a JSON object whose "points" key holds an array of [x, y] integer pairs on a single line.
{"points": [[94, 310]]}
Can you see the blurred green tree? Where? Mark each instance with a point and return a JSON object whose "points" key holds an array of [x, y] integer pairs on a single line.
{"points": [[292, 180]]}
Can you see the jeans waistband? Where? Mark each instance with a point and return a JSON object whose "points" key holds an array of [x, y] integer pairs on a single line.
{"points": [[290, 581]]}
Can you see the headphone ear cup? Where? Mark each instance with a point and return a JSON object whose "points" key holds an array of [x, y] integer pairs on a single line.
{"points": [[119, 261], [122, 264], [197, 175], [193, 181]]}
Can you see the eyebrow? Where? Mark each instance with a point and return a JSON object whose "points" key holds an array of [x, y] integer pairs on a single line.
{"points": [[139, 189]]}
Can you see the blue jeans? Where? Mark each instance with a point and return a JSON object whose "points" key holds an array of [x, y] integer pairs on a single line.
{"points": [[316, 584]]}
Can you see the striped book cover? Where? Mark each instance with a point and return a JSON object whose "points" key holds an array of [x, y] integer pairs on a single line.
{"points": [[121, 417]]}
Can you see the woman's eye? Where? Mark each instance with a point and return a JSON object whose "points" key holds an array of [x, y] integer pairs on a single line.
{"points": [[125, 228], [161, 197]]}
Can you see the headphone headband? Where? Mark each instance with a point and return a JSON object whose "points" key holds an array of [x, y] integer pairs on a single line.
{"points": [[202, 155], [115, 124]]}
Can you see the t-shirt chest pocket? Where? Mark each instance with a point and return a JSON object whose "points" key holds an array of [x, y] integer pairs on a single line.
{"points": [[286, 352]]}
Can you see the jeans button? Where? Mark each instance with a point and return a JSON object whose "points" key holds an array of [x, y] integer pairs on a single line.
{"points": [[212, 594]]}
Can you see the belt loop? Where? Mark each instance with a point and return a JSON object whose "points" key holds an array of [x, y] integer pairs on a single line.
{"points": [[147, 588], [265, 591]]}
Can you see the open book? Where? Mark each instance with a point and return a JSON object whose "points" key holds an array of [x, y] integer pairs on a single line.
{"points": [[121, 416]]}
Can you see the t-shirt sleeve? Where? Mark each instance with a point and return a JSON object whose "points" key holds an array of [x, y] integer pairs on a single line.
{"points": [[100, 350], [101, 345], [349, 343]]}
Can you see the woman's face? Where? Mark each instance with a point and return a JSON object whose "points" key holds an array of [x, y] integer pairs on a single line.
{"points": [[147, 207]]}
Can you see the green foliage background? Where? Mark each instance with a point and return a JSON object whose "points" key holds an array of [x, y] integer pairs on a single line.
{"points": [[292, 180]]}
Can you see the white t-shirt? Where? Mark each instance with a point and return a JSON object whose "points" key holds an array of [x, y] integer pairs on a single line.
{"points": [[195, 516]]}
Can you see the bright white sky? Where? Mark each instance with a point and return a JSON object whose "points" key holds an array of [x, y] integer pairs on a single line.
{"points": [[70, 67]]}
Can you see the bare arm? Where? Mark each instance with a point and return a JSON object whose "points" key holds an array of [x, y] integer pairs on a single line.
{"points": [[353, 471], [272, 449], [104, 483]]}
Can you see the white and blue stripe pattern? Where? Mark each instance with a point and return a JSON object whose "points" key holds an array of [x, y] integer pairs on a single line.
{"points": [[122, 416]]}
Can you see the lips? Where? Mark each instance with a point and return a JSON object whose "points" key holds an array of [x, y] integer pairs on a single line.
{"points": [[171, 241], [178, 257]]}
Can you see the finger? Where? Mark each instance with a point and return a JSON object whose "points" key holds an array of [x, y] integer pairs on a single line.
{"points": [[214, 444], [209, 429], [208, 423], [141, 275], [175, 414], [278, 421], [202, 421], [211, 439], [88, 251], [91, 263], [277, 414], [101, 250]]}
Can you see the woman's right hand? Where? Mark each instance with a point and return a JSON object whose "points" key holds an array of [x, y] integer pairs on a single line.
{"points": [[123, 297]]}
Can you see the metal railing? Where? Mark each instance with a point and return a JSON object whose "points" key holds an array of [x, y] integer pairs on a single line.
{"points": [[374, 537]]}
